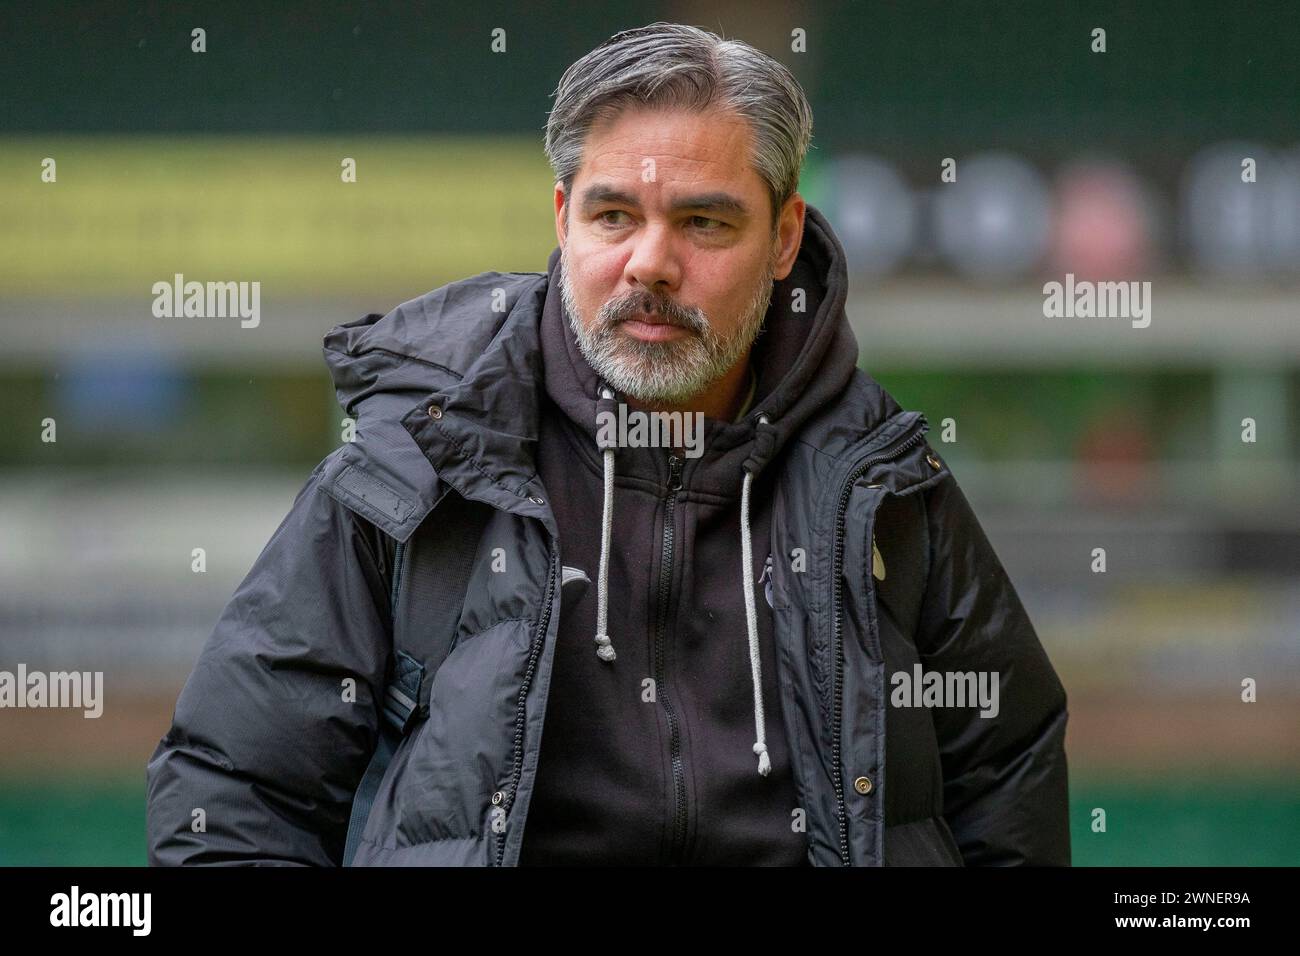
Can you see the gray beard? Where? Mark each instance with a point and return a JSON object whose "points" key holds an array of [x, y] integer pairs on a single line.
{"points": [[663, 372]]}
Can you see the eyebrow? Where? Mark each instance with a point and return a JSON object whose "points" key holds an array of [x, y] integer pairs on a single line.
{"points": [[719, 202]]}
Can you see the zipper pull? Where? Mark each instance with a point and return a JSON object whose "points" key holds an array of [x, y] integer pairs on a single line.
{"points": [[675, 463], [765, 579]]}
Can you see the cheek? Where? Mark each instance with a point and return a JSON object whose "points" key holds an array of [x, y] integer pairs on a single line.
{"points": [[597, 276], [727, 289]]}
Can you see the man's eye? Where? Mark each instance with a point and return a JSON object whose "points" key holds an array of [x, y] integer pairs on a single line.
{"points": [[708, 225], [611, 212]]}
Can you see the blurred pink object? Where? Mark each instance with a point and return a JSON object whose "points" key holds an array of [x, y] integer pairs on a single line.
{"points": [[1103, 227]]}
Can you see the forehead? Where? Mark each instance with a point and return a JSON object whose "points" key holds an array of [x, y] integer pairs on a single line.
{"points": [[681, 147]]}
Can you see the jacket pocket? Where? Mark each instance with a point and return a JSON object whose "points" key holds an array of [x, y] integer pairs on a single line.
{"points": [[441, 779], [858, 601], [900, 543]]}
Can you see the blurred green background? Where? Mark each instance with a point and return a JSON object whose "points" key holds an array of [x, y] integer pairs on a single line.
{"points": [[1070, 434]]}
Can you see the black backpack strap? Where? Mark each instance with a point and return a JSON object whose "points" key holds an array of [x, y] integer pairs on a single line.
{"points": [[431, 573]]}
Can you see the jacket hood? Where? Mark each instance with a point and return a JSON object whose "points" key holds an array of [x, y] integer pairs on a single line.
{"points": [[802, 360]]}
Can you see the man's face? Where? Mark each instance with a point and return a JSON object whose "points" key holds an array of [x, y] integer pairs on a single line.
{"points": [[668, 251]]}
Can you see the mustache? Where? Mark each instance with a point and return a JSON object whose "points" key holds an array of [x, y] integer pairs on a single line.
{"points": [[636, 303]]}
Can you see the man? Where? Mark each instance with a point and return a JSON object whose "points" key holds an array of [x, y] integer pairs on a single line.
{"points": [[672, 414]]}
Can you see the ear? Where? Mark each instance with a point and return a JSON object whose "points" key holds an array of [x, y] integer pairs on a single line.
{"points": [[561, 214], [789, 235]]}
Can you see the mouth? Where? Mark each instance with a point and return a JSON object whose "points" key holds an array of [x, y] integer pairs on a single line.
{"points": [[652, 327], [651, 318]]}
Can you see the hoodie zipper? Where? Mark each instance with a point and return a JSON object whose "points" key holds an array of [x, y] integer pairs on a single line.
{"points": [[539, 640], [837, 569], [678, 840]]}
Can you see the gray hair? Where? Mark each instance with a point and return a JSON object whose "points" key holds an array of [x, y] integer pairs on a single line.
{"points": [[671, 65]]}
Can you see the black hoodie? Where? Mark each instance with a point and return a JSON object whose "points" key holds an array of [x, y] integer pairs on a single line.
{"points": [[650, 757]]}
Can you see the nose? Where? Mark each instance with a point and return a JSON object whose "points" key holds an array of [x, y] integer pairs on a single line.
{"points": [[653, 263]]}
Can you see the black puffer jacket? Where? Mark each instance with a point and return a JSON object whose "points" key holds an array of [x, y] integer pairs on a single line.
{"points": [[878, 567]]}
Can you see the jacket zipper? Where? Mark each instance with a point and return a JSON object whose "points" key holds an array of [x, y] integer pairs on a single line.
{"points": [[837, 575], [677, 844], [539, 640]]}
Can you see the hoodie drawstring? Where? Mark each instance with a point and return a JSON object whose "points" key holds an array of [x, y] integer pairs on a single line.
{"points": [[605, 647], [746, 578]]}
